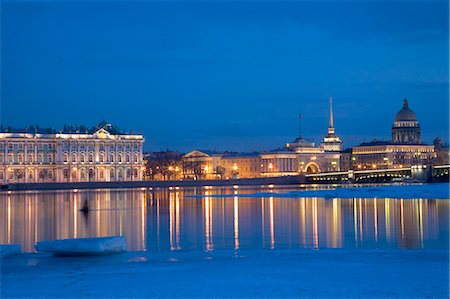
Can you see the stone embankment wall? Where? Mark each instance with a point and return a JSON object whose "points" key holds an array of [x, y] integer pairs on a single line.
{"points": [[285, 180]]}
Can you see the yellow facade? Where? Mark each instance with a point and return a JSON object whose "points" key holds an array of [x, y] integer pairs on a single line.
{"points": [[391, 156]]}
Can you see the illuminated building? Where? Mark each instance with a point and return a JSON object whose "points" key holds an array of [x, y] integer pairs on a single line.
{"points": [[241, 165], [303, 156], [404, 150], [214, 165], [201, 165], [406, 128], [97, 154]]}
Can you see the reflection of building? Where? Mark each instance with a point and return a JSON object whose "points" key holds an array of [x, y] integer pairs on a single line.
{"points": [[405, 148], [167, 219], [26, 218], [97, 154]]}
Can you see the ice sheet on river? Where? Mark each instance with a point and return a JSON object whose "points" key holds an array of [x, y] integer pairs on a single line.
{"points": [[426, 191], [83, 246], [230, 274], [7, 250]]}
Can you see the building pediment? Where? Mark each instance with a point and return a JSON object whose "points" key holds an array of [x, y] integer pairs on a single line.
{"points": [[196, 153], [102, 134]]}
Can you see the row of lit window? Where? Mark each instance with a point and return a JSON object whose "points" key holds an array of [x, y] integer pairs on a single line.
{"points": [[19, 174], [101, 158]]}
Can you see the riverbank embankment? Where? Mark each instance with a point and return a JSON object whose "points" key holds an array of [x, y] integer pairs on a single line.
{"points": [[285, 180]]}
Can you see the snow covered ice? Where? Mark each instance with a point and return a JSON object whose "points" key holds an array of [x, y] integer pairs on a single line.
{"points": [[83, 246]]}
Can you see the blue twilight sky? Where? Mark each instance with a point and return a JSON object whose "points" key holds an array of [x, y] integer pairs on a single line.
{"points": [[226, 75]]}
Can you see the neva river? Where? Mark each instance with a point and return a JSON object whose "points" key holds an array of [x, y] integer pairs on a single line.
{"points": [[245, 239], [165, 219]]}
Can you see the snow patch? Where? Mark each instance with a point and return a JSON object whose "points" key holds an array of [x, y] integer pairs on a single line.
{"points": [[414, 191], [83, 246], [7, 250]]}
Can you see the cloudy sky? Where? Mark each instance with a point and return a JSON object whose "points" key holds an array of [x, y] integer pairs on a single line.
{"points": [[226, 75]]}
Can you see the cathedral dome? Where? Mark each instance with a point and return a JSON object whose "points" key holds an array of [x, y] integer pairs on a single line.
{"points": [[405, 114]]}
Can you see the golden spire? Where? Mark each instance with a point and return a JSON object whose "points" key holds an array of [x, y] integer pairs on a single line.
{"points": [[331, 112]]}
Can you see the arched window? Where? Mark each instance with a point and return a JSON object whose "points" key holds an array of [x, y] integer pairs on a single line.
{"points": [[1, 175], [111, 174], [30, 175], [83, 173], [83, 158], [136, 158], [128, 173], [66, 173], [66, 158], [74, 173], [11, 158], [102, 158], [111, 158], [120, 175], [91, 157], [102, 173], [50, 174], [74, 158], [91, 173], [120, 158], [20, 158], [50, 158], [1, 158], [41, 158], [128, 158], [135, 173], [41, 174]]}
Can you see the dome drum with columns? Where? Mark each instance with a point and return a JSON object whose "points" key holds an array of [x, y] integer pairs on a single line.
{"points": [[406, 128]]}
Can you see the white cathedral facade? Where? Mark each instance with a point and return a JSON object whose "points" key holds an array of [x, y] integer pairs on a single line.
{"points": [[97, 155]]}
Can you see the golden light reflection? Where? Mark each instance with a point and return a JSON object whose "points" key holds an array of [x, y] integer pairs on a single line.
{"points": [[271, 224], [355, 221], [315, 225], [375, 218], [174, 221], [208, 223], [75, 214], [9, 220], [163, 220], [262, 223], [336, 229], [387, 217], [236, 222]]}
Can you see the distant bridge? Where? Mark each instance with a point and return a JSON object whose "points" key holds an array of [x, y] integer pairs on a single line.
{"points": [[420, 173]]}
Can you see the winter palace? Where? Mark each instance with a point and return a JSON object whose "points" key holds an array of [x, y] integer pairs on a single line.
{"points": [[75, 154]]}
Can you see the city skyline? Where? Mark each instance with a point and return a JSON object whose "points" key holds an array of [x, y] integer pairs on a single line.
{"points": [[226, 76]]}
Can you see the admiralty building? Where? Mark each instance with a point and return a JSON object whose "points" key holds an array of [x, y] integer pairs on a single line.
{"points": [[75, 154]]}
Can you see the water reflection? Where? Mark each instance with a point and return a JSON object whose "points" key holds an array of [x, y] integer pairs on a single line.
{"points": [[168, 220]]}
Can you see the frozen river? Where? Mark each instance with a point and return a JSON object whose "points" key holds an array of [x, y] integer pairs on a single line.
{"points": [[233, 242]]}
